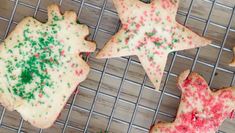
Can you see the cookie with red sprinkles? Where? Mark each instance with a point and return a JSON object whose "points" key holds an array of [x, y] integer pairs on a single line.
{"points": [[151, 32], [233, 61], [41, 66], [201, 110]]}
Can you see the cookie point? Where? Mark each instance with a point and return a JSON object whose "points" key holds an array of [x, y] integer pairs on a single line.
{"points": [[208, 41], [151, 130], [183, 76], [70, 15], [53, 7], [232, 64], [98, 56], [93, 46]]}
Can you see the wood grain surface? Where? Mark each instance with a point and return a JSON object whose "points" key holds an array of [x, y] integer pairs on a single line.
{"points": [[114, 72]]}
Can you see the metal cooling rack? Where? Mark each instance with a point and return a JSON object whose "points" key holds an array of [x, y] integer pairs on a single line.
{"points": [[110, 118]]}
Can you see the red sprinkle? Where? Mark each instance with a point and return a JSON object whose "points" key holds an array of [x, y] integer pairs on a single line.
{"points": [[62, 53], [232, 115], [40, 95], [78, 73], [36, 55]]}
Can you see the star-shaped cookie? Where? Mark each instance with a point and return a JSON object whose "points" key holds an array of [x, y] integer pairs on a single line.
{"points": [[41, 66], [200, 109], [151, 32], [233, 61]]}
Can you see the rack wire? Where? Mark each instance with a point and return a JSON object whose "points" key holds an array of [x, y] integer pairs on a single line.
{"points": [[87, 125]]}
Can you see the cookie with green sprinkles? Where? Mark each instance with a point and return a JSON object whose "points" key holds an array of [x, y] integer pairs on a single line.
{"points": [[233, 61], [201, 110], [41, 66], [150, 32]]}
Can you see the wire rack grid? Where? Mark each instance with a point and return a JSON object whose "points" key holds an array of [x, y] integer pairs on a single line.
{"points": [[94, 117]]}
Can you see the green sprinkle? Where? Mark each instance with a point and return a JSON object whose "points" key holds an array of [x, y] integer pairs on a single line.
{"points": [[150, 34], [56, 18], [78, 22], [101, 131], [69, 85], [157, 44], [150, 56], [158, 13], [1, 90], [10, 51], [119, 40], [175, 40], [26, 76], [34, 64]]}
